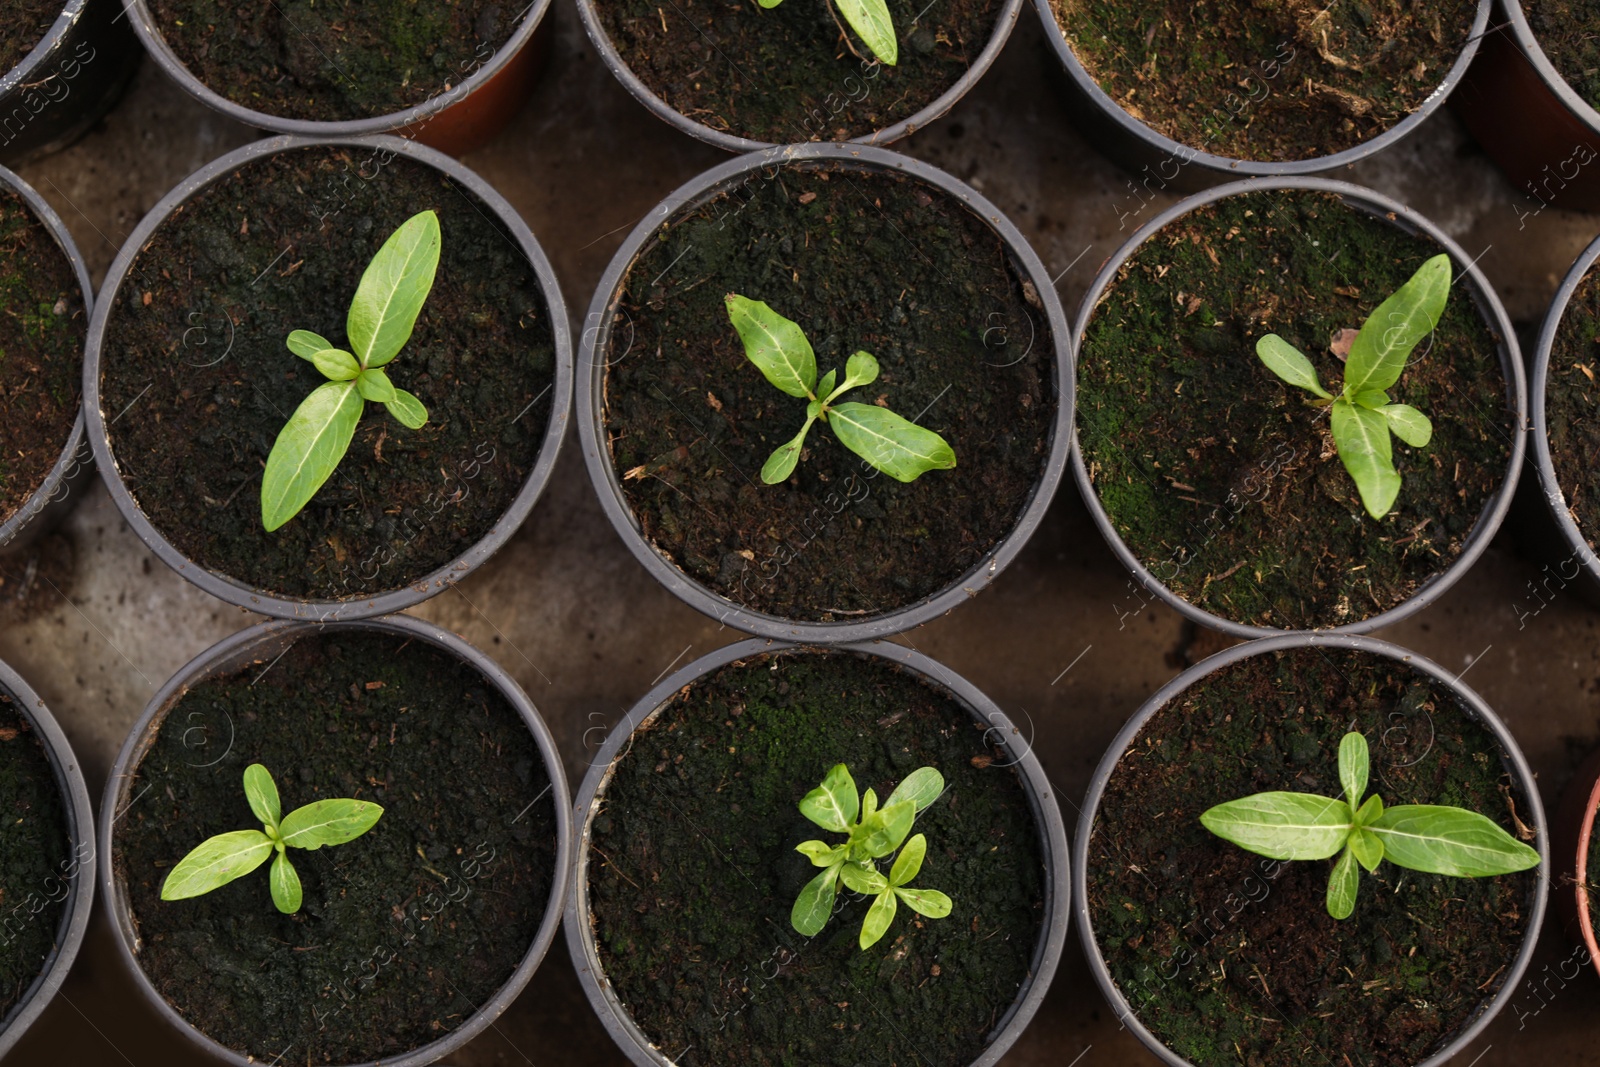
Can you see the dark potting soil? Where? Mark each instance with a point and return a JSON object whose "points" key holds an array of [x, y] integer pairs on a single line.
{"points": [[196, 380], [1571, 404], [41, 352], [333, 60], [693, 872], [1564, 30], [1218, 476], [787, 74], [861, 260], [404, 930], [35, 849], [1267, 80], [23, 24], [1231, 958]]}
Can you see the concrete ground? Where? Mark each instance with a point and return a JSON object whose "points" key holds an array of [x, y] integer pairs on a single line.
{"points": [[581, 626]]}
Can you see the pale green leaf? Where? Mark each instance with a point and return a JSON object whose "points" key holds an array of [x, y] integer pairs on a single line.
{"points": [[1362, 439], [1283, 826], [307, 450], [824, 390], [821, 853], [1354, 765], [776, 345], [285, 884], [393, 289], [863, 878], [879, 916], [306, 344], [870, 19], [1342, 886], [1370, 811], [215, 862], [929, 902], [782, 462], [1453, 841], [408, 410], [889, 827], [869, 804], [1408, 424], [909, 862], [769, 3], [1290, 364], [262, 793], [898, 447], [336, 364], [834, 804], [1367, 849], [375, 385], [1378, 355], [815, 903], [860, 369], [328, 822], [1372, 398], [922, 787]]}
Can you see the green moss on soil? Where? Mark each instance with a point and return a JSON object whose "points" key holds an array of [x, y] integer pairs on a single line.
{"points": [[1217, 475], [35, 851], [197, 382], [1230, 958], [406, 929], [23, 24], [785, 74], [333, 60], [693, 872], [1267, 80], [1564, 30], [1572, 406], [41, 352], [861, 260]]}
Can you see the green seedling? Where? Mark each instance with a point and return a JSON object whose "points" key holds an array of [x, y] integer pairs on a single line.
{"points": [[1422, 837], [218, 860], [385, 308], [873, 833], [1362, 417], [870, 19], [779, 349]]}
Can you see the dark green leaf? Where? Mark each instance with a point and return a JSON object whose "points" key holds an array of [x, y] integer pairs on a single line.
{"points": [[307, 450], [1453, 841], [900, 448], [285, 884], [215, 862], [1283, 826], [879, 916], [262, 793], [1379, 353], [834, 804], [1362, 439], [815, 903], [393, 289], [1290, 364], [328, 822], [776, 345]]}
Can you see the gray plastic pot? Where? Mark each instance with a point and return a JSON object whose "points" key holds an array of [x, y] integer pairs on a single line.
{"points": [[1041, 797], [658, 107], [260, 645], [70, 79], [458, 120], [1474, 704], [595, 343], [392, 600], [1165, 164], [77, 875], [1470, 279], [63, 486]]}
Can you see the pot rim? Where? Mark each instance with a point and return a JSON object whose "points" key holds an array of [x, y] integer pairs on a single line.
{"points": [[1490, 311], [223, 657], [1580, 887], [1528, 44], [1005, 20], [592, 368], [21, 526], [74, 921], [389, 600], [1470, 701], [1184, 154], [1036, 785], [144, 25], [71, 12]]}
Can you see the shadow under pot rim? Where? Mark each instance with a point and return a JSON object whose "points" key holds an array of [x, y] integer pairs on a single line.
{"points": [[432, 889], [1139, 147], [71, 882], [406, 536], [1209, 506], [817, 117], [1269, 915], [664, 360], [761, 679], [62, 485], [460, 117]]}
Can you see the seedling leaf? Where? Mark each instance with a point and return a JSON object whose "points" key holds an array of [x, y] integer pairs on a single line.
{"points": [[307, 450], [834, 804], [870, 19], [929, 902], [215, 862], [1453, 841], [909, 862], [306, 344], [1290, 364], [1353, 767], [392, 290], [815, 903], [336, 364], [262, 793], [1362, 439], [922, 787], [1342, 885], [328, 822], [776, 345], [1379, 353], [895, 445], [285, 884], [1283, 826], [879, 916], [408, 410], [1408, 424]]}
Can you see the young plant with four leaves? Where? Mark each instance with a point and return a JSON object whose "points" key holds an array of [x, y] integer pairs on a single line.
{"points": [[382, 313], [874, 833], [1361, 416], [218, 860], [779, 349], [1422, 837], [870, 19]]}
